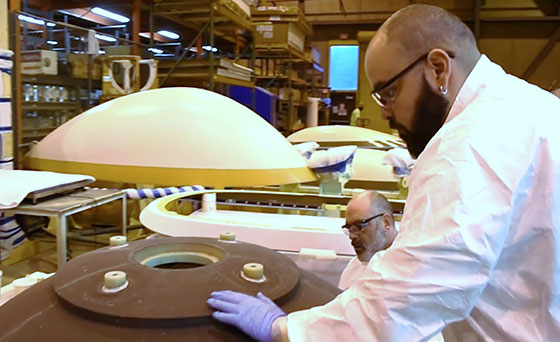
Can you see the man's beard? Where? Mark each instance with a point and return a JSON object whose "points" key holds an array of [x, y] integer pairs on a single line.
{"points": [[431, 111]]}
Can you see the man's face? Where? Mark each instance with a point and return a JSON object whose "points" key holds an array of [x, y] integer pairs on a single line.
{"points": [[417, 112], [427, 118], [374, 237]]}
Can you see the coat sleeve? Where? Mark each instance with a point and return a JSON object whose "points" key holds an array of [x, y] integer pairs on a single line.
{"points": [[456, 220]]}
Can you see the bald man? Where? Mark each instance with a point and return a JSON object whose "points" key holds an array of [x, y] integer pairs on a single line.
{"points": [[480, 234], [371, 228]]}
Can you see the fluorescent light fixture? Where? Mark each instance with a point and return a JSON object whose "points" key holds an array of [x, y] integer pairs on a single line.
{"points": [[164, 55], [107, 14], [169, 34], [31, 19], [49, 24], [209, 48], [102, 52], [155, 50], [52, 42], [105, 38]]}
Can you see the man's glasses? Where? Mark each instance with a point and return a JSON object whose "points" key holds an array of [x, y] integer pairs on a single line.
{"points": [[384, 94], [358, 227]]}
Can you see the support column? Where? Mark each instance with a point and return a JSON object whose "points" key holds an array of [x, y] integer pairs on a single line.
{"points": [[477, 5], [13, 42], [136, 20]]}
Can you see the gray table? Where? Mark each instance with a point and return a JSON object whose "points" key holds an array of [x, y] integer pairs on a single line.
{"points": [[62, 206]]}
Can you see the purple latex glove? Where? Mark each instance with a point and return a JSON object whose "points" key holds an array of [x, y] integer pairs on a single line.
{"points": [[253, 315]]}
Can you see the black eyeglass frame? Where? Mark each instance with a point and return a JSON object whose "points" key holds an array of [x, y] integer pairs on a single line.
{"points": [[375, 92], [362, 224]]}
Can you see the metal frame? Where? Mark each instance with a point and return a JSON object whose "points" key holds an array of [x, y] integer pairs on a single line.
{"points": [[59, 208]]}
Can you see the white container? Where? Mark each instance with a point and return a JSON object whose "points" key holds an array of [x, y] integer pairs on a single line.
{"points": [[5, 113]]}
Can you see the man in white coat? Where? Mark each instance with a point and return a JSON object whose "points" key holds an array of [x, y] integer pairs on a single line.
{"points": [[371, 228], [480, 235]]}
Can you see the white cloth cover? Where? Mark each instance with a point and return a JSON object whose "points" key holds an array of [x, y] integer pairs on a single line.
{"points": [[334, 162], [306, 149], [16, 184], [480, 234], [398, 157]]}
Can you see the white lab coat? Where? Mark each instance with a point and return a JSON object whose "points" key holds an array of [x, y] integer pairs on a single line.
{"points": [[353, 270], [480, 235]]}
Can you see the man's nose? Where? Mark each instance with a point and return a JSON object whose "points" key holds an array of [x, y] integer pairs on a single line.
{"points": [[386, 113], [353, 234]]}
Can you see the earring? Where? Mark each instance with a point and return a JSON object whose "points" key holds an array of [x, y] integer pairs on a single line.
{"points": [[443, 91]]}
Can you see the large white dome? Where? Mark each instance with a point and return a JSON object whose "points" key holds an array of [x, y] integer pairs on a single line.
{"points": [[172, 136]]}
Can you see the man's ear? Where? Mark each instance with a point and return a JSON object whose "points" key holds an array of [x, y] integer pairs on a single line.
{"points": [[387, 220], [438, 69]]}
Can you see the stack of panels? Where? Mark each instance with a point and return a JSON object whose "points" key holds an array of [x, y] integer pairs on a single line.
{"points": [[200, 68]]}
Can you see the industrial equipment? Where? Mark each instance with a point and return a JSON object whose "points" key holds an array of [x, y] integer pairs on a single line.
{"points": [[156, 289]]}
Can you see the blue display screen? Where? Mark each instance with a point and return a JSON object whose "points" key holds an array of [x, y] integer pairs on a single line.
{"points": [[343, 67]]}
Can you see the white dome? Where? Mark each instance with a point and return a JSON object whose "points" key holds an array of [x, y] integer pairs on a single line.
{"points": [[172, 136]]}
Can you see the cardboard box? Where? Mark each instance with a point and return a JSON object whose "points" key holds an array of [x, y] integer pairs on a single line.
{"points": [[280, 27], [39, 62], [79, 66], [5, 77], [279, 34], [6, 146]]}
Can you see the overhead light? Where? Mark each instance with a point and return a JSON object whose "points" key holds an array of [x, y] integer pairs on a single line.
{"points": [[155, 50], [107, 14], [164, 55], [52, 42], [33, 20], [102, 52], [105, 38], [169, 34], [209, 48]]}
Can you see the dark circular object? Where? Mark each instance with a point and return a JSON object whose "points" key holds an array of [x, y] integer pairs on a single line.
{"points": [[166, 304]]}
